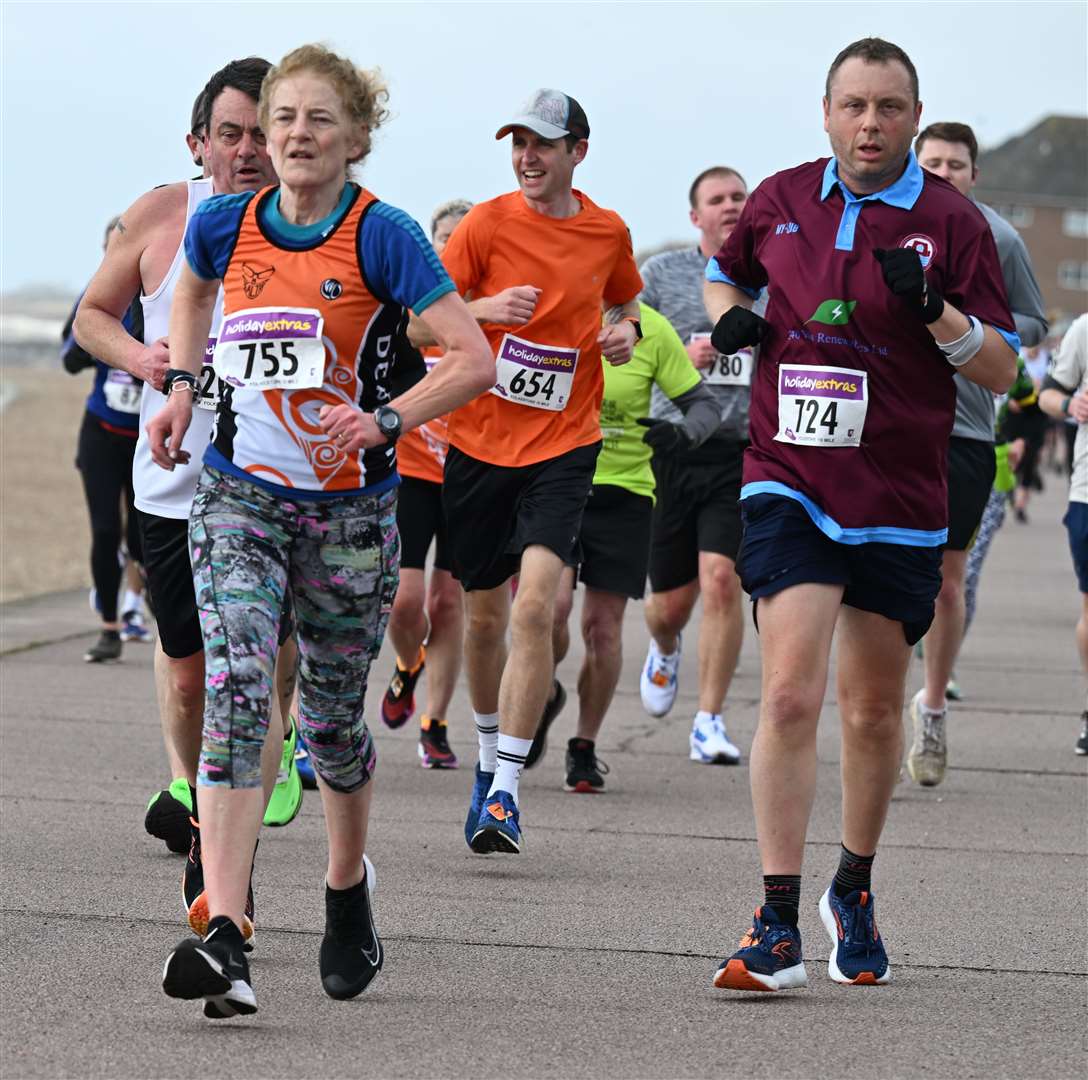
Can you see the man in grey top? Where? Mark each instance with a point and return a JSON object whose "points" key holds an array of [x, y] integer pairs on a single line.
{"points": [[696, 524], [950, 150], [1065, 396]]}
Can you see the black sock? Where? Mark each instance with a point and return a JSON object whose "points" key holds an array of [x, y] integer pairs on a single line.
{"points": [[855, 873], [783, 893], [192, 798]]}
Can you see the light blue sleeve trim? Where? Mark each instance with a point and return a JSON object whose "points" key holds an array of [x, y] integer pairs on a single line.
{"points": [[713, 272], [873, 534], [427, 299], [1012, 340]]}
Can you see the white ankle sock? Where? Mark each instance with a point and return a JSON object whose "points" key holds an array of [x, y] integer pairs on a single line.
{"points": [[702, 717], [511, 755], [487, 731]]}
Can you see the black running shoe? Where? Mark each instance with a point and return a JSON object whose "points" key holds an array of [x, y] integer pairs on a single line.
{"points": [[399, 702], [214, 969], [585, 771], [1082, 742], [551, 710], [107, 648], [351, 954], [168, 814]]}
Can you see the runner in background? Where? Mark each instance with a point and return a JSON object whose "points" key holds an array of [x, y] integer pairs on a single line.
{"points": [[615, 534], [427, 622], [107, 440]]}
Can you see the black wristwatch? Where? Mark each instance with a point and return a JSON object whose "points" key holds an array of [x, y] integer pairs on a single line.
{"points": [[388, 421], [181, 378], [636, 324]]}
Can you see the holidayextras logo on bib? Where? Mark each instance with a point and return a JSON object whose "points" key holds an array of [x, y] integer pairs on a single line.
{"points": [[270, 324]]}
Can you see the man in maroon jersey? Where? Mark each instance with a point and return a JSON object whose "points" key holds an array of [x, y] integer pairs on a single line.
{"points": [[884, 282]]}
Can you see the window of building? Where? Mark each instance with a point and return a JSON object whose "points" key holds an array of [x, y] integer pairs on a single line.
{"points": [[1073, 274], [1075, 223], [1019, 216]]}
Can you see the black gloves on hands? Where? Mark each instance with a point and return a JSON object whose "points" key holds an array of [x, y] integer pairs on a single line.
{"points": [[904, 275], [736, 329], [664, 437]]}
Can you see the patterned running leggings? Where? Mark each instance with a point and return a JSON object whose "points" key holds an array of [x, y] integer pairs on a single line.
{"points": [[993, 517], [339, 557]]}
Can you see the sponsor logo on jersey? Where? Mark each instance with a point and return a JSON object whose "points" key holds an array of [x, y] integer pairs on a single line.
{"points": [[833, 312], [254, 280], [331, 288], [786, 227], [924, 245]]}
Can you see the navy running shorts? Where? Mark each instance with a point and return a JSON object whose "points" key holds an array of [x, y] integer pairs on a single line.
{"points": [[783, 547], [1076, 524]]}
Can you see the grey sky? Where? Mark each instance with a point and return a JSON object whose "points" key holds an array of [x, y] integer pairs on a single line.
{"points": [[96, 96]]}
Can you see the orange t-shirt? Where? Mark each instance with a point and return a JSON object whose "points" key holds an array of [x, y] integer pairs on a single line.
{"points": [[547, 399], [421, 452]]}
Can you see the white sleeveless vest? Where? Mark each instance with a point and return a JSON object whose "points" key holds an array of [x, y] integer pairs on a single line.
{"points": [[158, 492]]}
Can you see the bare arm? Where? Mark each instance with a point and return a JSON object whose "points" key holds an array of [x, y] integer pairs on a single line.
{"points": [[993, 366], [617, 340], [190, 322], [1053, 402], [98, 327], [718, 297], [467, 370], [511, 307]]}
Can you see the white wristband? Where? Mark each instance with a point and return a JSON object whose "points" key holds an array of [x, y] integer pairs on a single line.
{"points": [[958, 352]]}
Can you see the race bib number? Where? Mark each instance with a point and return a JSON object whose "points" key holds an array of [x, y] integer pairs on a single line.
{"points": [[209, 382], [734, 370], [271, 349], [122, 392], [539, 376], [821, 406]]}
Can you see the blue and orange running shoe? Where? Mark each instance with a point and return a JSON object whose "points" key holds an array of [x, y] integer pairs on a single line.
{"points": [[481, 786], [497, 827], [857, 954], [769, 957]]}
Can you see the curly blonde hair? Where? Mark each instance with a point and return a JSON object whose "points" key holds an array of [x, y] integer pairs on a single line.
{"points": [[363, 93]]}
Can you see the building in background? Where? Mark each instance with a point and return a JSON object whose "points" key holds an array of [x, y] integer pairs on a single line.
{"points": [[1039, 182]]}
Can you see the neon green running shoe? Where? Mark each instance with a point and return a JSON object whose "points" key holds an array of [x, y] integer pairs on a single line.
{"points": [[286, 799], [167, 816]]}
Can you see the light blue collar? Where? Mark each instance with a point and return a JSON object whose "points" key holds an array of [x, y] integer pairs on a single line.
{"points": [[902, 194]]}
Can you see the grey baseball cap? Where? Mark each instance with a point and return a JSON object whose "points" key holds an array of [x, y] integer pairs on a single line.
{"points": [[551, 114]]}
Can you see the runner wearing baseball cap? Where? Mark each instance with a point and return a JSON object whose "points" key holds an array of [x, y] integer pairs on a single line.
{"points": [[522, 457]]}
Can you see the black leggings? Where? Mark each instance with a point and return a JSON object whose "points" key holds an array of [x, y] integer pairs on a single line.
{"points": [[104, 459]]}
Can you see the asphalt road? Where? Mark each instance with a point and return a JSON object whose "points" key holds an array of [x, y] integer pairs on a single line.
{"points": [[592, 953]]}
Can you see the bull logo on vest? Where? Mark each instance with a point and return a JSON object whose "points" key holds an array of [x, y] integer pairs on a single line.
{"points": [[254, 280]]}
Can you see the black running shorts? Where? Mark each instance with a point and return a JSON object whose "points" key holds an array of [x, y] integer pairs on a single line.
{"points": [[496, 512], [971, 468], [420, 520], [698, 509], [170, 584], [783, 547], [615, 540]]}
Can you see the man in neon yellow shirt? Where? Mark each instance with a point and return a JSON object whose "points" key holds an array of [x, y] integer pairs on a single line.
{"points": [[615, 534]]}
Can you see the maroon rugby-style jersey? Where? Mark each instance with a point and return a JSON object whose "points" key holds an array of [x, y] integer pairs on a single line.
{"points": [[852, 400]]}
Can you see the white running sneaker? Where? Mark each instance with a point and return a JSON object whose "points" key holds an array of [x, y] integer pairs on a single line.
{"points": [[710, 744], [660, 679], [928, 757]]}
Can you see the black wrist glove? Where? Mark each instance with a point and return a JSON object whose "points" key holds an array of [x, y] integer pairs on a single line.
{"points": [[903, 274], [665, 437], [737, 328]]}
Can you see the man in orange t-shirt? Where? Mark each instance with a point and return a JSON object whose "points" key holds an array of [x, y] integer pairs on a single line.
{"points": [[521, 458]]}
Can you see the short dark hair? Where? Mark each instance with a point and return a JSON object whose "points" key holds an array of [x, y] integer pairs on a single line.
{"points": [[950, 131], [197, 125], [721, 171], [245, 75], [873, 51]]}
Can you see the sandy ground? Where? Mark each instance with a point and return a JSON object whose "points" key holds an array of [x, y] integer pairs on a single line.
{"points": [[44, 532]]}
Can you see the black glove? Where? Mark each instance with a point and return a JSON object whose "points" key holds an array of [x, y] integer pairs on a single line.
{"points": [[737, 328], [665, 437], [903, 274]]}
